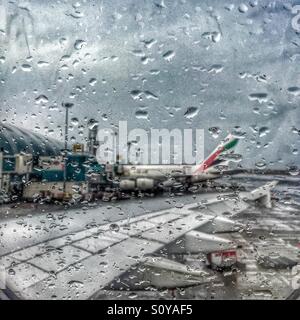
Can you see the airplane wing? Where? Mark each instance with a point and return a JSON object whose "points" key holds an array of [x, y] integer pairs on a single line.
{"points": [[77, 266]]}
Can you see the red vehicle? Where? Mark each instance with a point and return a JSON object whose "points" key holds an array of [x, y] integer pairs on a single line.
{"points": [[222, 259]]}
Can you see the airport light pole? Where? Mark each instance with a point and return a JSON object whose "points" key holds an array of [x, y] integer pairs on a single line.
{"points": [[67, 106], [1, 168]]}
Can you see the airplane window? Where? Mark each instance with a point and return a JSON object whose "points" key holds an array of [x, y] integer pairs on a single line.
{"points": [[149, 149]]}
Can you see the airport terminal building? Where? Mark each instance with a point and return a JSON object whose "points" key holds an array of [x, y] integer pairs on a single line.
{"points": [[15, 140], [20, 149], [31, 164]]}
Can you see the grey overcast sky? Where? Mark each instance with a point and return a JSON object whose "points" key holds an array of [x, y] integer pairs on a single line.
{"points": [[228, 65]]}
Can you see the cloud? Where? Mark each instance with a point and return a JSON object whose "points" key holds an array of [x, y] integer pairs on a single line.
{"points": [[124, 46]]}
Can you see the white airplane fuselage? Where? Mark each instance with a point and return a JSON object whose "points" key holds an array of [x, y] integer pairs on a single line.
{"points": [[146, 177], [162, 172]]}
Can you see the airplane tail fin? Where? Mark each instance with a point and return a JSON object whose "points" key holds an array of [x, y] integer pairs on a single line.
{"points": [[227, 145]]}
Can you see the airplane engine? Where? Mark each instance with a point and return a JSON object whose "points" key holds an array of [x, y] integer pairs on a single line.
{"points": [[169, 183], [127, 185], [145, 183]]}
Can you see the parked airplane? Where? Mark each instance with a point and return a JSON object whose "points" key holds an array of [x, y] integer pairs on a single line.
{"points": [[148, 177]]}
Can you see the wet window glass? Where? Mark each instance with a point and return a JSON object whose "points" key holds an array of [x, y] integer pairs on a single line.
{"points": [[149, 149]]}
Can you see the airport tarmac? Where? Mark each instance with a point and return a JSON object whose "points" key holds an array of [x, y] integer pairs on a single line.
{"points": [[269, 245]]}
